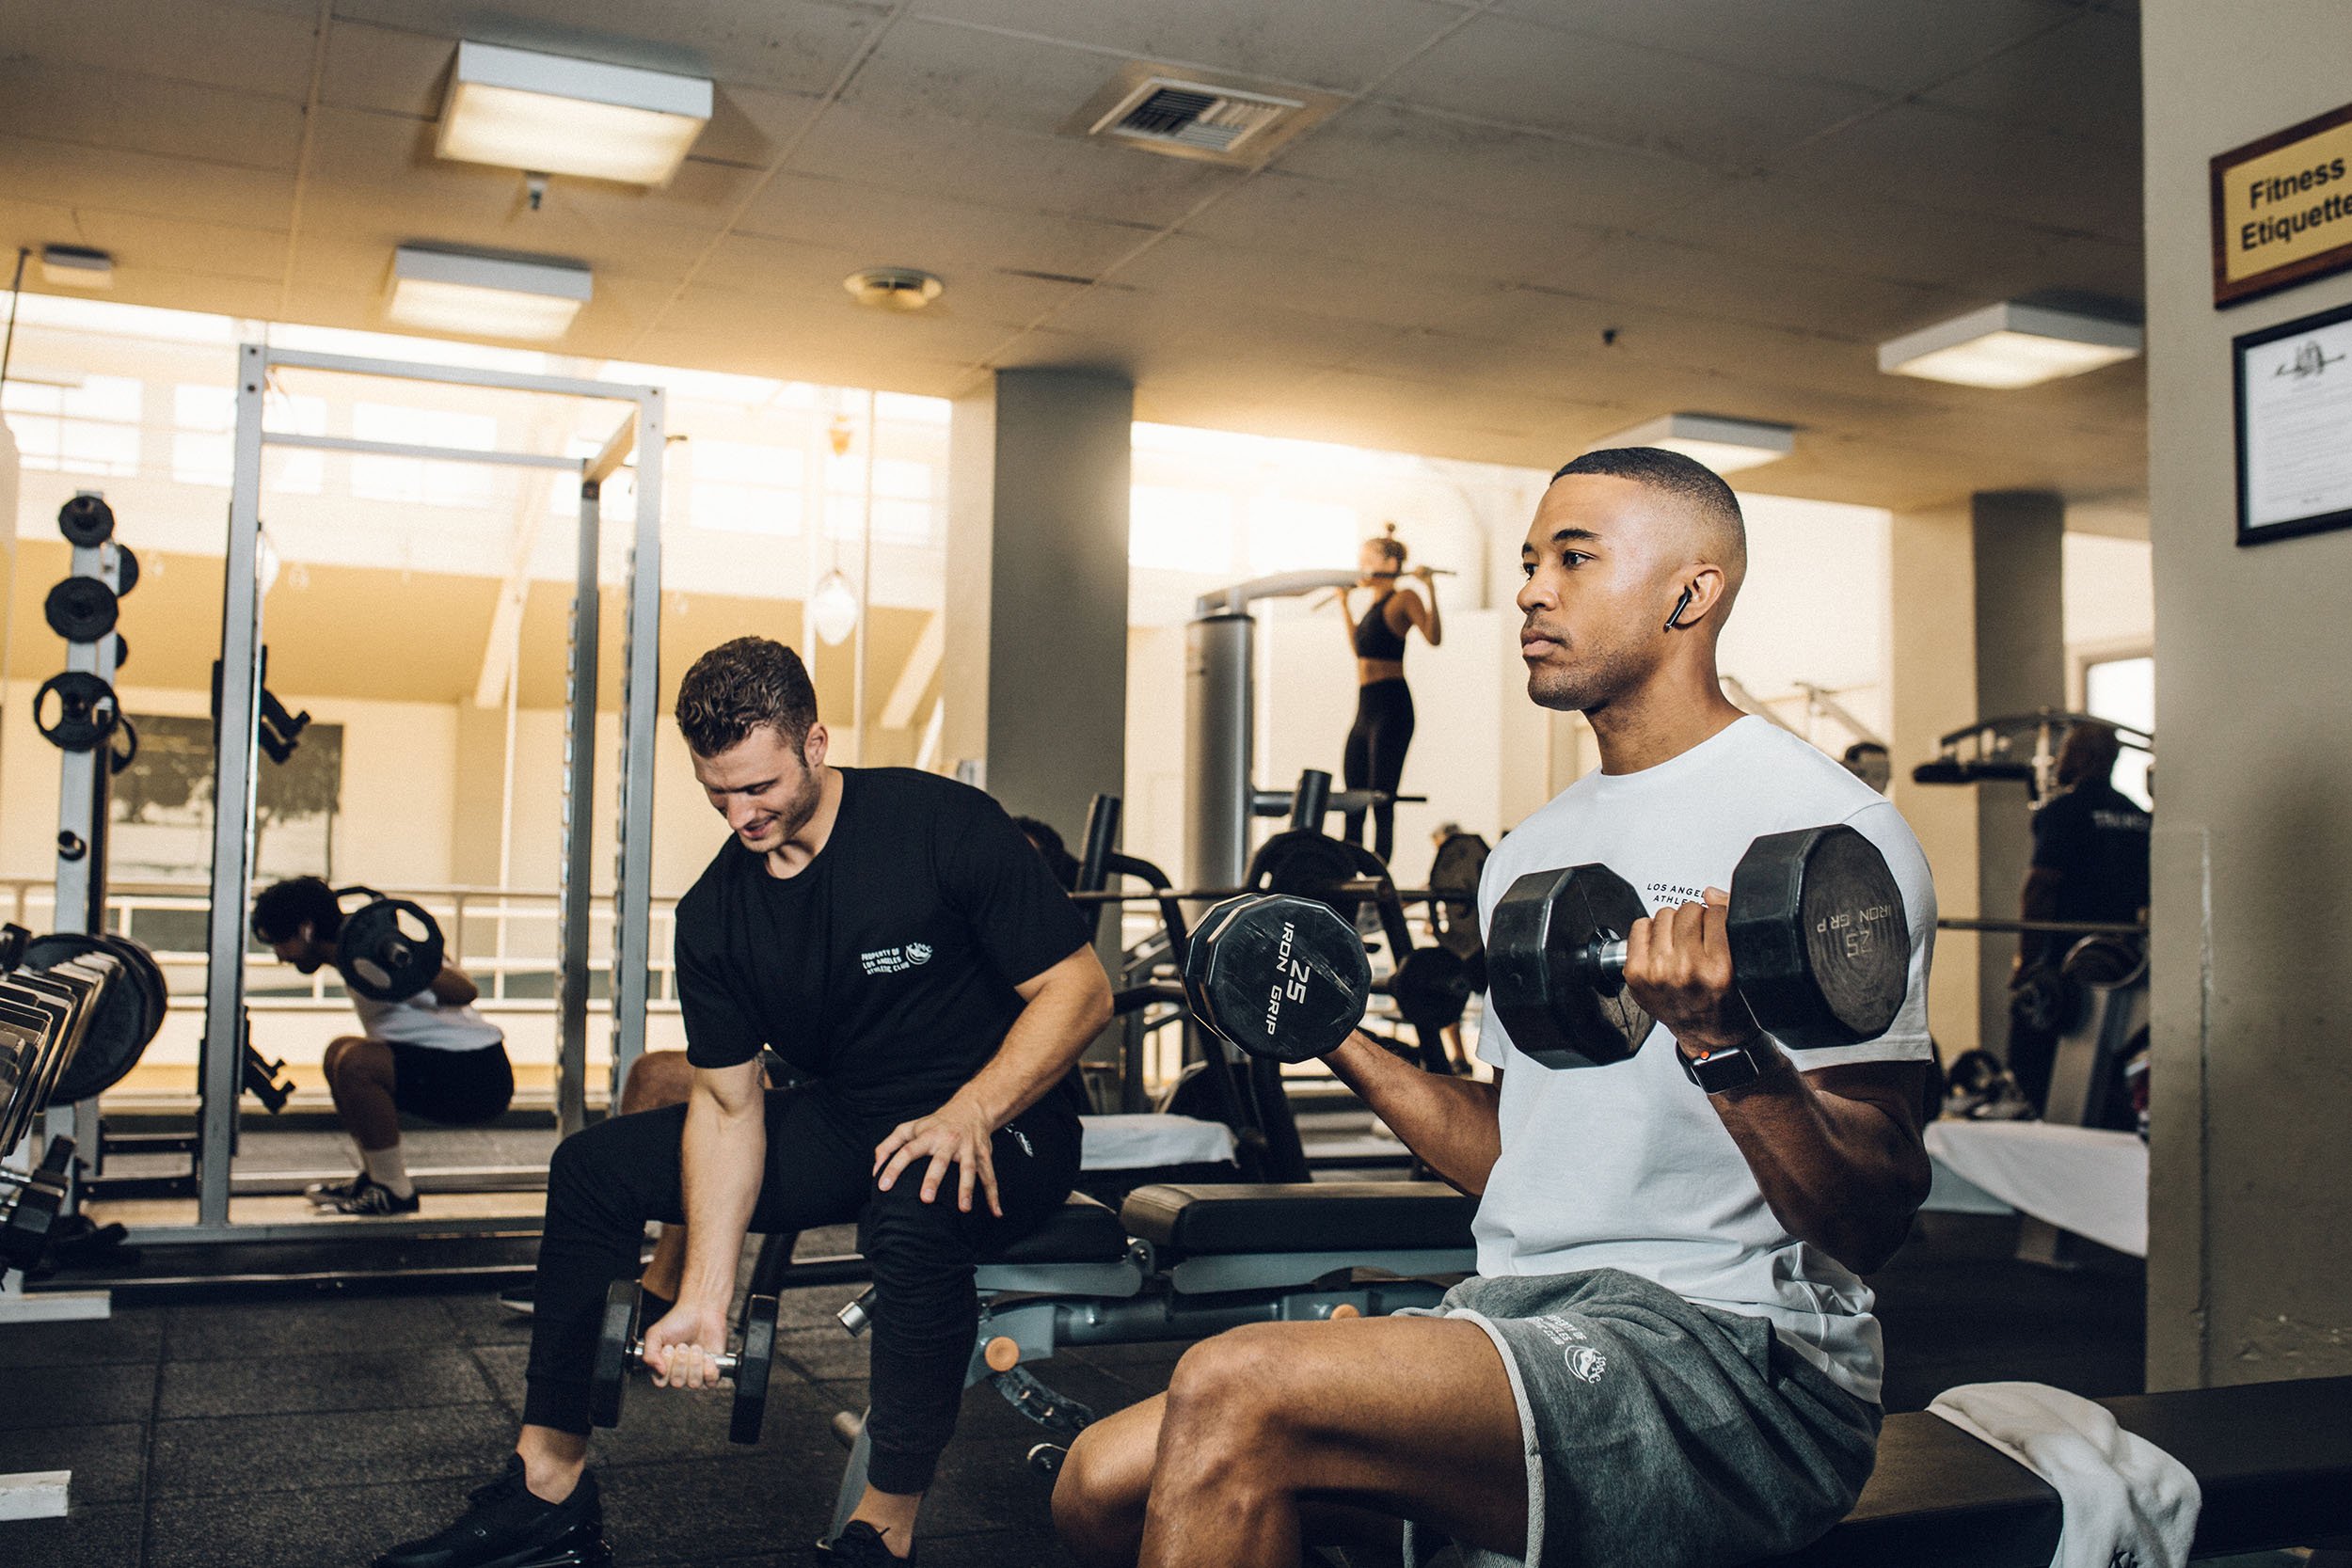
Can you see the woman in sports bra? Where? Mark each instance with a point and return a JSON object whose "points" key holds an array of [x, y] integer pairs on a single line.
{"points": [[1384, 705]]}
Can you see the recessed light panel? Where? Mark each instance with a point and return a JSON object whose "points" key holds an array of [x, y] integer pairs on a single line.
{"points": [[552, 115], [2010, 345], [486, 296]]}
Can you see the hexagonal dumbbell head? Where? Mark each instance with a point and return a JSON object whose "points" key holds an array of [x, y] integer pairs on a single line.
{"points": [[1547, 979], [1281, 977], [1820, 947]]}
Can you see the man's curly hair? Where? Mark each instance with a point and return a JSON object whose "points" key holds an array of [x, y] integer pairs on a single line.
{"points": [[739, 685]]}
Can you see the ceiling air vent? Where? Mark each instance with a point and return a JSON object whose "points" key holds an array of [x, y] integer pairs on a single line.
{"points": [[1188, 118]]}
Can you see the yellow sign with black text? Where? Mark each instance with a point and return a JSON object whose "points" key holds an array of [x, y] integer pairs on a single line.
{"points": [[2282, 209]]}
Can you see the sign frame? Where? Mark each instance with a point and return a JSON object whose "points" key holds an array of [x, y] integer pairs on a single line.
{"points": [[2292, 528], [2227, 292]]}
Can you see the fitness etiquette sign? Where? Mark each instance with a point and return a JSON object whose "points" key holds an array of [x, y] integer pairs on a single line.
{"points": [[2282, 209]]}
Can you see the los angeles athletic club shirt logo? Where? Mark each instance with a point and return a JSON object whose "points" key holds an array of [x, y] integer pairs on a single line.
{"points": [[891, 960]]}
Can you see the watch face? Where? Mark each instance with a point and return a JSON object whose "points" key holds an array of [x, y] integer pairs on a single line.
{"points": [[1722, 1069]]}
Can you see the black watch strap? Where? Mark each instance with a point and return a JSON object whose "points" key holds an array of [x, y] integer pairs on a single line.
{"points": [[1730, 1068]]}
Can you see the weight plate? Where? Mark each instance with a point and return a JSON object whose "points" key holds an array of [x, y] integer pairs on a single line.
{"points": [[1554, 1004], [85, 710], [1283, 978], [753, 1364], [388, 950], [122, 652], [122, 746], [608, 1374], [86, 520], [119, 1027], [1302, 863], [149, 975], [81, 610], [1453, 875], [1431, 987], [2044, 1000], [126, 570], [1820, 946]]}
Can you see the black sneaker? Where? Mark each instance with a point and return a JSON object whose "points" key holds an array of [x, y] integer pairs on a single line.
{"points": [[508, 1527], [371, 1196], [328, 1194], [860, 1543]]}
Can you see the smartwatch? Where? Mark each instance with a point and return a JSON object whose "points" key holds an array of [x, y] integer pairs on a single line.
{"points": [[1730, 1066]]}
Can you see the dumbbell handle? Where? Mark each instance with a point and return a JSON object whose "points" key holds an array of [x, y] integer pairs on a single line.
{"points": [[721, 1362], [1606, 959]]}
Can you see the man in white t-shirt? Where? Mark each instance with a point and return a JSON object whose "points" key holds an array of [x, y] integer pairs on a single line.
{"points": [[1667, 1355], [431, 1055]]}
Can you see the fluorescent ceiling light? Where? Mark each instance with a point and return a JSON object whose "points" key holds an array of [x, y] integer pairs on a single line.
{"points": [[2010, 345], [1722, 444], [486, 296], [551, 115], [75, 266]]}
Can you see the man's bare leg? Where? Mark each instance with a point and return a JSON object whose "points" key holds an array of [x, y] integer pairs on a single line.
{"points": [[656, 1079], [1280, 1434]]}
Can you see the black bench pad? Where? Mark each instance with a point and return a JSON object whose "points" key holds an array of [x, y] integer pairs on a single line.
{"points": [[1303, 1216], [1082, 1231], [2273, 1459]]}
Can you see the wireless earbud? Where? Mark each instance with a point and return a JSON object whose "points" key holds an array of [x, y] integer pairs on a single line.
{"points": [[1674, 620]]}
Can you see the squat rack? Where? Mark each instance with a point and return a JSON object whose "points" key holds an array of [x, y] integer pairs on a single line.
{"points": [[640, 431]]}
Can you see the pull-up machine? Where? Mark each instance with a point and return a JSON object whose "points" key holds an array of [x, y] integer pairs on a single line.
{"points": [[639, 433]]}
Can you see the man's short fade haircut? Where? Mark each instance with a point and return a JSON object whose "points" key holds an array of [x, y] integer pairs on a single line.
{"points": [[739, 685], [282, 908], [1686, 479]]}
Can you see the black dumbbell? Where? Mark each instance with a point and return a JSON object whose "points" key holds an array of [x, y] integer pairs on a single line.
{"points": [[1821, 950], [620, 1351], [1285, 978]]}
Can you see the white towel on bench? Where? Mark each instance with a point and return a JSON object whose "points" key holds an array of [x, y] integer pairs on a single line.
{"points": [[2127, 1503]]}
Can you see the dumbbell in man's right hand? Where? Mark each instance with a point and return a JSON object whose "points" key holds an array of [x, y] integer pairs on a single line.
{"points": [[679, 1349]]}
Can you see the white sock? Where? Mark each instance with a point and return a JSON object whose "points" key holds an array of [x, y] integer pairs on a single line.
{"points": [[389, 1167]]}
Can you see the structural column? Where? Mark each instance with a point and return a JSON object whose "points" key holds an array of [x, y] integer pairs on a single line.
{"points": [[2250, 1195], [1035, 676]]}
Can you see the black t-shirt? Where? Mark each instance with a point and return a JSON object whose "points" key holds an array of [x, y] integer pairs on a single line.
{"points": [[887, 968], [2095, 837]]}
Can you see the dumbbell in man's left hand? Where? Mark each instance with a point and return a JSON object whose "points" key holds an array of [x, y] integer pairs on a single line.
{"points": [[1677, 965], [679, 1347]]}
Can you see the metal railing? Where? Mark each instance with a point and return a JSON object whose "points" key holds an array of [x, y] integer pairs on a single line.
{"points": [[505, 939]]}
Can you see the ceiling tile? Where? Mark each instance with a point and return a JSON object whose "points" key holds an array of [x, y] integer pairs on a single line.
{"points": [[2082, 79], [1166, 329], [258, 52], [1277, 210], [180, 246], [1510, 72], [785, 45], [1021, 83], [182, 120], [1889, 45], [74, 176], [1414, 154], [1213, 276], [389, 70], [1735, 287], [1292, 41], [1939, 157], [894, 228], [933, 155]]}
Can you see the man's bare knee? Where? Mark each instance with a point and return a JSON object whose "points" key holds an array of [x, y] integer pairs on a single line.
{"points": [[1229, 1389], [1100, 1496], [656, 1079]]}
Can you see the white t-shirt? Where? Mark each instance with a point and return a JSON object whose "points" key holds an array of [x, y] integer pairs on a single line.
{"points": [[424, 1021], [1628, 1166]]}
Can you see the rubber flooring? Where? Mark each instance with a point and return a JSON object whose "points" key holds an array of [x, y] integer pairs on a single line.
{"points": [[314, 1431]]}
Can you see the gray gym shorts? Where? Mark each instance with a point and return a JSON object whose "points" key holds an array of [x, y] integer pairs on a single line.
{"points": [[1660, 1433]]}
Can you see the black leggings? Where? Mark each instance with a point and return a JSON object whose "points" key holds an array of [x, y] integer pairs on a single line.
{"points": [[1376, 756], [604, 1184]]}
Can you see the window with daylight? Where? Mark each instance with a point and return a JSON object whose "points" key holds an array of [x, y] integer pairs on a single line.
{"points": [[413, 480], [2124, 689], [92, 428], [204, 423], [1174, 528], [903, 507], [745, 487], [1290, 535]]}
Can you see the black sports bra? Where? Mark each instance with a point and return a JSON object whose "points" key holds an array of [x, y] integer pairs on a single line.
{"points": [[1373, 639]]}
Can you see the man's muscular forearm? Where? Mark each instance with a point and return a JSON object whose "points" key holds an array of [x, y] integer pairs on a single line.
{"points": [[723, 1158], [1837, 1151], [1064, 1009], [1450, 1123]]}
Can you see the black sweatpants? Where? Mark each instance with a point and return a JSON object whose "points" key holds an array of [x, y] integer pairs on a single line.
{"points": [[604, 1184], [1375, 759]]}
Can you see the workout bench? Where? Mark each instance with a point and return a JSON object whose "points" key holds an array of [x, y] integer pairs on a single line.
{"points": [[1179, 1263]]}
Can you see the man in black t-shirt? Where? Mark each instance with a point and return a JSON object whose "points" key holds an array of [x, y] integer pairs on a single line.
{"points": [[2089, 865], [891, 935]]}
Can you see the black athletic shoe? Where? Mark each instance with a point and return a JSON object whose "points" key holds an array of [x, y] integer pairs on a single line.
{"points": [[860, 1543], [372, 1197], [328, 1194], [508, 1527]]}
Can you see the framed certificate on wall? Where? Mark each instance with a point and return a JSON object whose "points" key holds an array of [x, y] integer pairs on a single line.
{"points": [[2295, 428]]}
